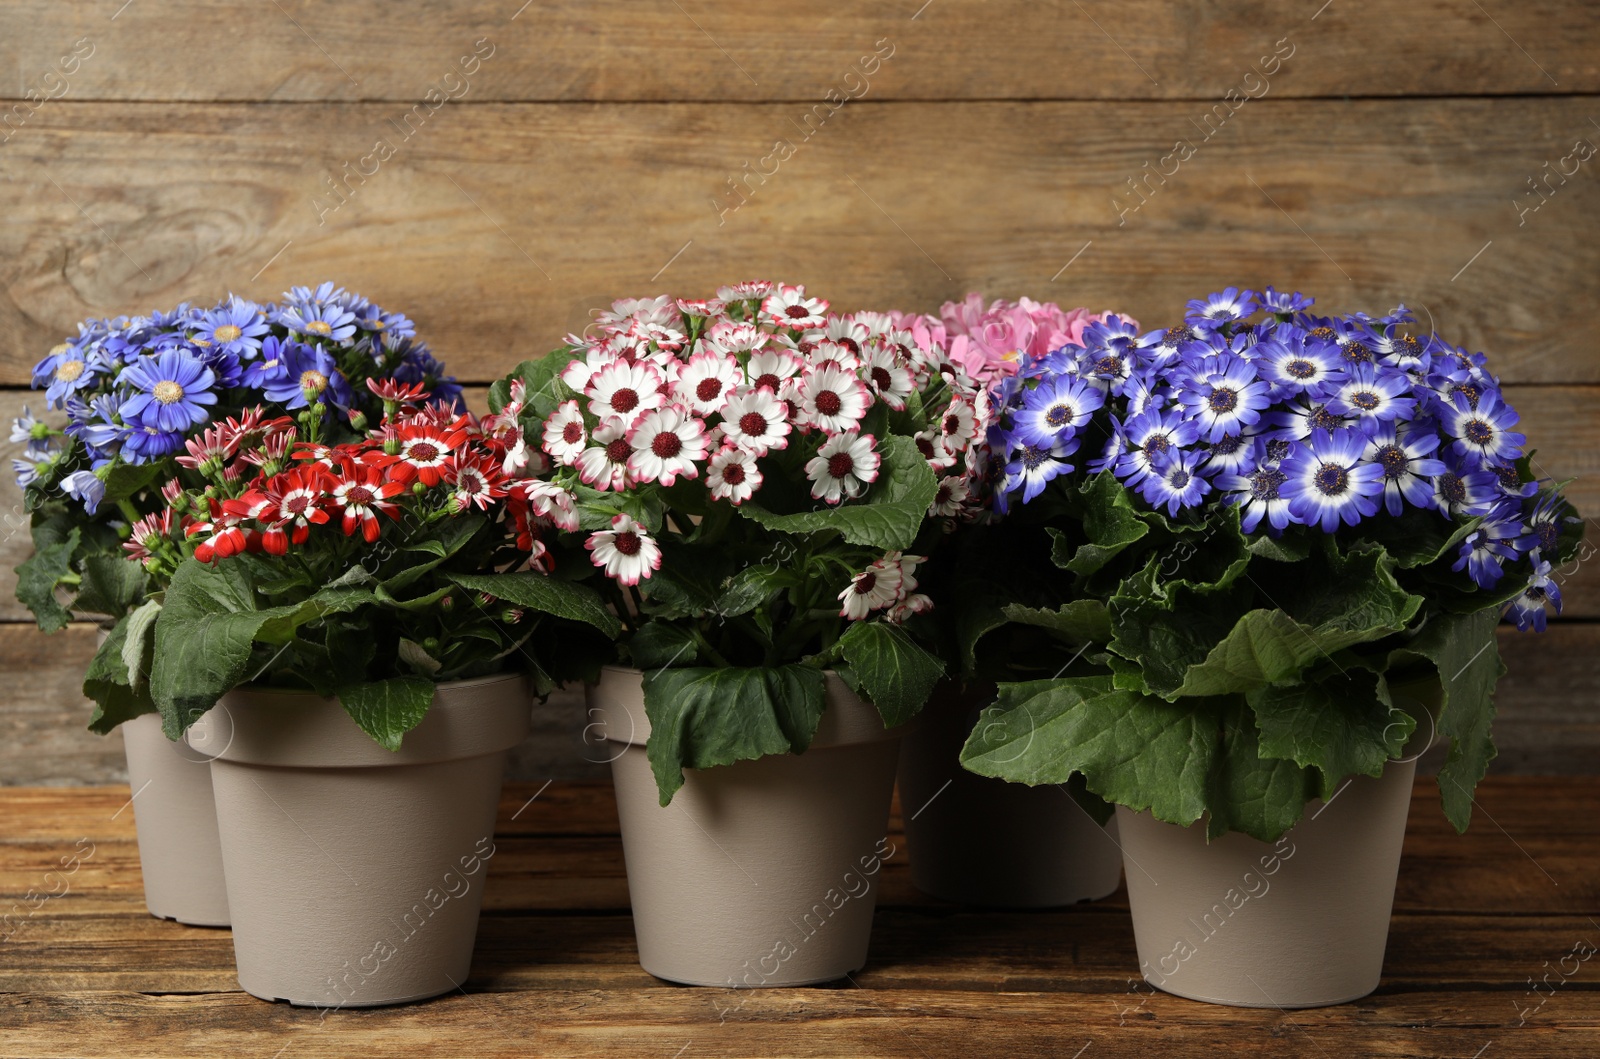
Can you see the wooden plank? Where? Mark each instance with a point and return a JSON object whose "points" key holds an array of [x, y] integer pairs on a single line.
{"points": [[951, 49], [501, 227], [854, 1023]]}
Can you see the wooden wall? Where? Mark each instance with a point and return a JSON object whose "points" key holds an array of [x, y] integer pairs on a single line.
{"points": [[1124, 154]]}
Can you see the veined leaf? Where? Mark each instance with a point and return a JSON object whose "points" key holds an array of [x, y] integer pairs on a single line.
{"points": [[547, 595], [116, 696], [1082, 620], [1260, 796], [894, 671], [889, 516], [38, 576], [1342, 724], [388, 709]]}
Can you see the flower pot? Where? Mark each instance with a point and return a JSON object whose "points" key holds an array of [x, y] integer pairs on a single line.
{"points": [[175, 818], [1301, 922], [982, 841], [759, 873], [355, 874]]}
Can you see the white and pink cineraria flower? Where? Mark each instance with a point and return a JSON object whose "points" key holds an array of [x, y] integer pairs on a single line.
{"points": [[750, 290], [734, 336], [626, 552], [756, 421], [876, 587], [580, 371], [666, 443], [658, 310], [950, 497], [826, 353], [565, 435], [889, 378], [831, 400], [789, 307], [843, 467], [548, 501], [771, 369], [625, 391], [706, 381], [847, 331], [914, 603], [604, 464], [733, 475]]}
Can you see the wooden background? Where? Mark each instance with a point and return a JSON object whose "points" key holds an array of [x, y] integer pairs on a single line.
{"points": [[1389, 158]]}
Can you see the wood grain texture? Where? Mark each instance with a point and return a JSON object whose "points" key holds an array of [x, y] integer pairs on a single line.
{"points": [[619, 50], [501, 227]]}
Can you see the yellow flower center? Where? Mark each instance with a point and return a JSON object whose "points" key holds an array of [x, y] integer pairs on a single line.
{"points": [[319, 327], [227, 333], [203, 343], [62, 348], [68, 370], [167, 392], [313, 381]]}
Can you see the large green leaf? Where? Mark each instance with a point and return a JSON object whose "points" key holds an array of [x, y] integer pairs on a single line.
{"points": [[661, 644], [1082, 620], [1132, 749], [1260, 796], [700, 718], [544, 389], [41, 572], [118, 696], [388, 709], [889, 516], [111, 585], [124, 480], [894, 671], [547, 595], [1340, 723], [1110, 521]]}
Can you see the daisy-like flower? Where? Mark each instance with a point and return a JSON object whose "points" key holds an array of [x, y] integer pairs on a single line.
{"points": [[147, 534], [1464, 490], [832, 400], [1296, 420], [888, 375], [951, 495], [847, 331], [667, 442], [393, 391], [475, 480], [360, 494], [1259, 495], [771, 369], [310, 375], [733, 475], [734, 336], [1487, 548], [221, 536], [1214, 310], [86, 487], [172, 391], [1508, 479], [580, 371], [750, 290], [1224, 395], [604, 464], [565, 434], [328, 321], [1372, 394], [625, 391], [1327, 482], [1031, 467], [64, 372], [706, 382], [876, 587], [626, 552], [1543, 530], [915, 603], [1059, 405], [1174, 482], [960, 424], [1149, 439], [756, 421], [843, 467], [1528, 608], [1406, 457], [548, 501], [234, 328], [789, 307], [1298, 366], [1285, 304], [290, 503], [1232, 455], [424, 453], [1484, 431], [212, 446]]}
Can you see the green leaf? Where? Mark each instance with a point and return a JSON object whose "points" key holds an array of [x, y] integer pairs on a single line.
{"points": [[124, 480], [896, 673], [1339, 723], [542, 379], [1110, 521], [1132, 749], [659, 644], [38, 576], [388, 709], [745, 591], [547, 595], [889, 516], [700, 718], [452, 536], [1082, 620], [107, 682], [110, 585], [1260, 796]]}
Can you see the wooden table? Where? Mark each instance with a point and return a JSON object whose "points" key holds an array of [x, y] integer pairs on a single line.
{"points": [[1481, 923]]}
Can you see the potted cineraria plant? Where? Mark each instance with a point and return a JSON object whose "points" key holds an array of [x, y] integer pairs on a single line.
{"points": [[970, 838], [361, 620], [139, 395], [758, 480], [1254, 565]]}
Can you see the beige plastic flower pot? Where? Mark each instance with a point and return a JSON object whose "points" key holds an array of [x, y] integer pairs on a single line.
{"points": [[982, 841], [355, 875], [1301, 922], [175, 817], [759, 873]]}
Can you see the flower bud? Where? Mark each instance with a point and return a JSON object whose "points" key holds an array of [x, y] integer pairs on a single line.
{"points": [[358, 421], [511, 615], [418, 487], [447, 604]]}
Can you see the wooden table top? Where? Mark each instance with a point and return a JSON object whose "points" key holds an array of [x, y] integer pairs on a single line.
{"points": [[1474, 968]]}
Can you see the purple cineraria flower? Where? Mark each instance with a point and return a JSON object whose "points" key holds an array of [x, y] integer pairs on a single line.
{"points": [[1327, 482], [1174, 483], [1161, 348], [1279, 302], [1214, 310], [1464, 490], [171, 391], [1405, 455], [1487, 548], [235, 327], [98, 424], [1150, 438], [1528, 608], [1031, 467], [145, 444], [1484, 431], [26, 430], [1259, 494], [1223, 395], [1542, 533], [86, 488], [1296, 420], [1510, 481], [1233, 454], [1371, 394], [311, 374], [327, 321], [65, 372], [1058, 407], [1115, 448], [272, 365], [1295, 364]]}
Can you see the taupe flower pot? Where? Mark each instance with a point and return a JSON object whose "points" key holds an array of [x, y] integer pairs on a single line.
{"points": [[355, 875], [759, 873], [982, 841], [175, 817], [1297, 923]]}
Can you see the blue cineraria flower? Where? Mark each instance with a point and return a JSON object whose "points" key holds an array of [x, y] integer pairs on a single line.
{"points": [[86, 488], [311, 374], [1484, 431], [1059, 406], [326, 294], [1031, 467], [1464, 490], [1149, 439], [1296, 364], [171, 391], [330, 322], [1486, 548], [1214, 310], [1278, 302], [1510, 481], [1542, 533], [1223, 395], [26, 429], [1371, 394], [1144, 392], [1162, 348], [26, 467], [272, 365], [1528, 608], [387, 325], [1405, 454], [1175, 483], [1327, 482], [148, 444], [225, 366], [236, 327], [1260, 494], [64, 372], [1116, 447], [1296, 420], [1234, 454], [98, 425]]}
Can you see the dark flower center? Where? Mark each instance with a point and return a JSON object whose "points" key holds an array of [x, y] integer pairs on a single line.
{"points": [[423, 452], [1175, 335], [866, 583], [471, 484], [1470, 390], [1548, 533], [1059, 415], [1178, 479], [1407, 347], [851, 344], [1110, 364], [358, 494], [1355, 353], [942, 497], [572, 433], [1324, 334], [1479, 432], [881, 377], [627, 542], [1366, 400], [1227, 446], [1510, 479], [733, 473], [1535, 594], [666, 444], [619, 451], [952, 424], [1264, 484], [769, 381], [1393, 460], [1157, 443], [296, 505], [797, 312], [841, 464], [753, 423], [625, 400], [1277, 449], [925, 447], [1332, 479], [828, 403], [1322, 419], [708, 390], [1300, 368], [1032, 457], [1451, 487], [1223, 399]]}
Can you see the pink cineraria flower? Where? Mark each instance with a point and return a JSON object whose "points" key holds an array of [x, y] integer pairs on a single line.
{"points": [[734, 336], [564, 433], [828, 353], [771, 369], [990, 343], [666, 443], [832, 400], [789, 307], [914, 603], [625, 391], [604, 464], [626, 552], [843, 467], [756, 421], [876, 587], [733, 475], [706, 381]]}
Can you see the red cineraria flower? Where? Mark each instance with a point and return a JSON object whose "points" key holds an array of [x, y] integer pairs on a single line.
{"points": [[424, 453], [361, 493], [290, 504], [224, 538], [397, 392], [475, 479]]}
